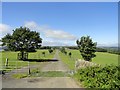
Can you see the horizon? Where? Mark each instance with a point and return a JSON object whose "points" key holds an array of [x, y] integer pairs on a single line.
{"points": [[61, 24]]}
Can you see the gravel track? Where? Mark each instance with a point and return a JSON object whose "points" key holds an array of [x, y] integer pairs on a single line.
{"points": [[43, 82]]}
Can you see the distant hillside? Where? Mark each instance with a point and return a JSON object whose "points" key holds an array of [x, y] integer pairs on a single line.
{"points": [[110, 48]]}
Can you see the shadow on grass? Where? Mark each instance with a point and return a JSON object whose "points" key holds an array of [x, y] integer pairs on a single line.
{"points": [[41, 60]]}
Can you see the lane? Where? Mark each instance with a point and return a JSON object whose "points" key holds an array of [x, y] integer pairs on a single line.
{"points": [[55, 66], [44, 82]]}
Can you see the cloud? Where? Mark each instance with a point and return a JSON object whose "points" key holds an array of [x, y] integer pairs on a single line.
{"points": [[57, 34], [4, 28], [31, 25], [54, 43], [50, 33]]}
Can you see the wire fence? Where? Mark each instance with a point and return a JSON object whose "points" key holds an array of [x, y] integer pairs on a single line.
{"points": [[15, 66]]}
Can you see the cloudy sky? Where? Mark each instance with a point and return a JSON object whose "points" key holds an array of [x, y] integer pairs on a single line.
{"points": [[64, 23]]}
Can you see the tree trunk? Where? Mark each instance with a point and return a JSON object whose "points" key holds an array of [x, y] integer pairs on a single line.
{"points": [[22, 55]]}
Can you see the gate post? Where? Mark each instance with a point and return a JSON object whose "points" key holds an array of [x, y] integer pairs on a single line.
{"points": [[29, 68], [6, 63]]}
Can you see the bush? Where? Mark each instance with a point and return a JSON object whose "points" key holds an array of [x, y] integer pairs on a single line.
{"points": [[50, 50], [99, 77], [70, 54], [43, 53]]}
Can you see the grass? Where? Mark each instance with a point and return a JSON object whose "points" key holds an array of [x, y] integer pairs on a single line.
{"points": [[101, 58], [19, 75], [105, 58], [37, 73], [39, 55], [69, 61], [49, 74], [13, 61]]}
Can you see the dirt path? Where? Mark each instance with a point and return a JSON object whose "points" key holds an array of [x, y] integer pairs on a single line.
{"points": [[55, 66], [44, 82]]}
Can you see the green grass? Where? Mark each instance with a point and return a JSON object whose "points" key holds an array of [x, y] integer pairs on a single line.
{"points": [[101, 58], [37, 73], [49, 74], [105, 58], [19, 75], [39, 55], [75, 54], [70, 62], [13, 61]]}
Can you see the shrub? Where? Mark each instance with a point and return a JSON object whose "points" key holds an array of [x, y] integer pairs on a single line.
{"points": [[43, 53], [99, 77], [70, 54], [50, 50]]}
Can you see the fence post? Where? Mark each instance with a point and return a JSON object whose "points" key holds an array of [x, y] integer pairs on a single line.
{"points": [[6, 63], [28, 68], [16, 66]]}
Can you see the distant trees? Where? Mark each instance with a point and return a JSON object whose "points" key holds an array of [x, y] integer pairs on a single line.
{"points": [[87, 47], [50, 50], [63, 50], [45, 47], [101, 50], [22, 40], [72, 47], [112, 50]]}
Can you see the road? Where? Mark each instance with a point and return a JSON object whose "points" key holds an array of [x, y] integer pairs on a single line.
{"points": [[44, 82]]}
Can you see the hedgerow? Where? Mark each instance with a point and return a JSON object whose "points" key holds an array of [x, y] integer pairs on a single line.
{"points": [[99, 77]]}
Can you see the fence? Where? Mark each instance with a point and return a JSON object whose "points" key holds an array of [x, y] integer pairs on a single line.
{"points": [[15, 66]]}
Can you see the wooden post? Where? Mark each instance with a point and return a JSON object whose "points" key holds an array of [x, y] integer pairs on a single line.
{"points": [[16, 66], [6, 63], [28, 68]]}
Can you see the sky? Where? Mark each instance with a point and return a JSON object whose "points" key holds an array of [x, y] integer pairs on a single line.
{"points": [[64, 22]]}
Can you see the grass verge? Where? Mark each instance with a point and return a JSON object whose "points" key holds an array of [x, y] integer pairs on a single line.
{"points": [[19, 75], [37, 73]]}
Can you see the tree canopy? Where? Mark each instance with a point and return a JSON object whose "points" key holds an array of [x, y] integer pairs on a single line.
{"points": [[22, 39], [87, 47]]}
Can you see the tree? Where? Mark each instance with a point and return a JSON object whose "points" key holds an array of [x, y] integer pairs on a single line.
{"points": [[43, 53], [63, 50], [70, 54], [50, 50], [87, 47], [22, 40]]}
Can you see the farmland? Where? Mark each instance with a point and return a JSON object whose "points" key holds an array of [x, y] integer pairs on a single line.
{"points": [[12, 58], [101, 58], [104, 76]]}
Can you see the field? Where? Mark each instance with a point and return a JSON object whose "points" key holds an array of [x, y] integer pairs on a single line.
{"points": [[12, 58], [101, 58], [104, 76]]}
